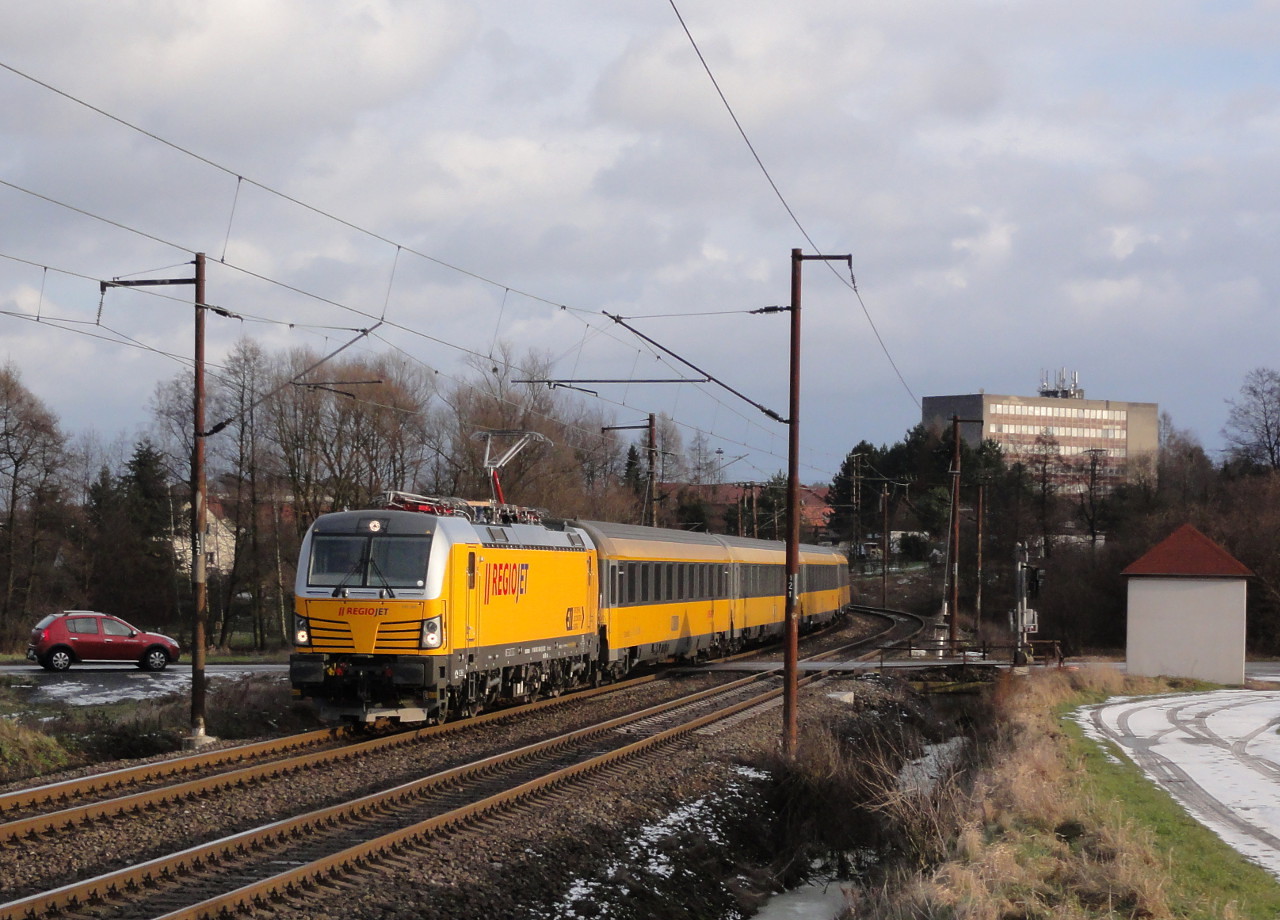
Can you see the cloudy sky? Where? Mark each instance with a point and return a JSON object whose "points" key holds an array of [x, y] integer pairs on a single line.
{"points": [[1023, 187]]}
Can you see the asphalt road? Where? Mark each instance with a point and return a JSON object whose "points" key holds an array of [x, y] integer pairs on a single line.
{"points": [[95, 684]]}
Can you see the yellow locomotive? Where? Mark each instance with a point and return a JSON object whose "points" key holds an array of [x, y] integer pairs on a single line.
{"points": [[431, 608]]}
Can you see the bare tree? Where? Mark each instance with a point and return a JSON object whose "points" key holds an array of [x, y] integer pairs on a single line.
{"points": [[1186, 475], [361, 430], [32, 451], [239, 452], [702, 460], [1253, 422], [1044, 460], [173, 423]]}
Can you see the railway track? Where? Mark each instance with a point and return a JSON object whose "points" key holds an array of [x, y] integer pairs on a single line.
{"points": [[38, 809], [62, 806], [97, 787], [245, 869]]}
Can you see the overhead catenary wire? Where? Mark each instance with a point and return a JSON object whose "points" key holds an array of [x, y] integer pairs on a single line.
{"points": [[186, 361], [240, 180], [320, 212], [852, 284]]}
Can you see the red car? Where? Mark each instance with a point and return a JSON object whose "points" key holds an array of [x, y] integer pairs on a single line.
{"points": [[85, 635]]}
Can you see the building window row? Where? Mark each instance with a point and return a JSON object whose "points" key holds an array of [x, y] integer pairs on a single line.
{"points": [[1074, 450], [1105, 415], [1020, 447], [1097, 434]]}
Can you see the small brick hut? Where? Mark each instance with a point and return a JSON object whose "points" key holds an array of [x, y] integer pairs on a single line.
{"points": [[1187, 610]]}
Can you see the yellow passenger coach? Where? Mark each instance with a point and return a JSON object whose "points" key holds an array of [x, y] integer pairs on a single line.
{"points": [[431, 608]]}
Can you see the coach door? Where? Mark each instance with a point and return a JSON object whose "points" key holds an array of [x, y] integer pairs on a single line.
{"points": [[472, 604]]}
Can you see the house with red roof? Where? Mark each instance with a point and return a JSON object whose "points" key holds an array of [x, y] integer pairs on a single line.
{"points": [[1186, 615]]}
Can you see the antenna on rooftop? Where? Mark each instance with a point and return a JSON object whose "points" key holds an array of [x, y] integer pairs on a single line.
{"points": [[1061, 387]]}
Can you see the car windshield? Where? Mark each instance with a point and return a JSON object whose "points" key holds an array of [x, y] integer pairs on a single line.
{"points": [[368, 561], [46, 621]]}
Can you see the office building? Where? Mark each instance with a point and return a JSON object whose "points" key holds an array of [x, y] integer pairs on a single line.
{"points": [[1110, 440]]}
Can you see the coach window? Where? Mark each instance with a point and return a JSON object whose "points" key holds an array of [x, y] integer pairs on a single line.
{"points": [[646, 585], [632, 581]]}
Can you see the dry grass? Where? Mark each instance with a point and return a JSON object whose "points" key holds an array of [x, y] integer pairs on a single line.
{"points": [[1017, 834], [248, 707], [35, 742], [25, 752]]}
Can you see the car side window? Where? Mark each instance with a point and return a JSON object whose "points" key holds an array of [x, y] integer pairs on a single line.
{"points": [[115, 628], [83, 625]]}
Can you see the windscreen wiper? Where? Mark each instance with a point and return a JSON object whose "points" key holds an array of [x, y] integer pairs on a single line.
{"points": [[373, 564], [342, 585]]}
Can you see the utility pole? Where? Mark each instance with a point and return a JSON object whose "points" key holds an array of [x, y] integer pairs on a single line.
{"points": [[755, 510], [199, 517], [977, 602], [884, 546], [953, 563], [650, 512], [1020, 564], [199, 524], [856, 536], [653, 470], [791, 687]]}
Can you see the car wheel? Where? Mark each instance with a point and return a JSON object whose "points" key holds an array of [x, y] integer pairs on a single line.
{"points": [[57, 660], [156, 659]]}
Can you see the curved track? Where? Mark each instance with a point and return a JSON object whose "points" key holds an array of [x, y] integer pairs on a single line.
{"points": [[242, 871], [238, 871]]}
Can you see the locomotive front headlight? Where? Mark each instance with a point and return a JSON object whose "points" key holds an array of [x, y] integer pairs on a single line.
{"points": [[432, 633], [301, 631]]}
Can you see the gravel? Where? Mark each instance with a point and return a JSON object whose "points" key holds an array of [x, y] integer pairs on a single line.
{"points": [[682, 835]]}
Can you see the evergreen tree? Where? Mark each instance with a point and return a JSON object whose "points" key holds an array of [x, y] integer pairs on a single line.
{"points": [[134, 564], [632, 473]]}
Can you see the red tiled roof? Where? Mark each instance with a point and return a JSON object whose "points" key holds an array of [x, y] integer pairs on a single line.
{"points": [[1187, 551]]}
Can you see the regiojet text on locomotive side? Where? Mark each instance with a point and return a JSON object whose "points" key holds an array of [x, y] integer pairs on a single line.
{"points": [[430, 608]]}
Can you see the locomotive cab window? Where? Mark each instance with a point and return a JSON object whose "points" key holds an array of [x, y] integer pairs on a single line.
{"points": [[367, 561]]}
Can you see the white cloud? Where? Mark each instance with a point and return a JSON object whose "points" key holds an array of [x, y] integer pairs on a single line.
{"points": [[1054, 169]]}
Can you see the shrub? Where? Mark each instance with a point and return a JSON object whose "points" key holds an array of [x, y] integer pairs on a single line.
{"points": [[25, 753]]}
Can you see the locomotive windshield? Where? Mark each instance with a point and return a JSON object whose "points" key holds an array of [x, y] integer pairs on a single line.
{"points": [[368, 561]]}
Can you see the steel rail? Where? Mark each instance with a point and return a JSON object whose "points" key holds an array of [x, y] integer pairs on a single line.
{"points": [[69, 818], [251, 896], [80, 787], [117, 884]]}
